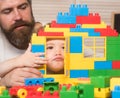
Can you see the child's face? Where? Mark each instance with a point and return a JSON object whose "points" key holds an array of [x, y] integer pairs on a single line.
{"points": [[55, 54]]}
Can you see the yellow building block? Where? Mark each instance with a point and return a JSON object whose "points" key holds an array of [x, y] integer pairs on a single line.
{"points": [[62, 79], [83, 34], [40, 89], [102, 92], [2, 88], [66, 31], [42, 68], [48, 29], [82, 81], [38, 39], [78, 62], [22, 93], [102, 25], [113, 82]]}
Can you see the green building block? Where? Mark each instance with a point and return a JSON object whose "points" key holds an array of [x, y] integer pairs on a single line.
{"points": [[51, 86], [5, 94], [112, 48], [97, 73], [112, 52], [100, 81], [110, 73], [72, 93], [85, 91], [113, 72]]}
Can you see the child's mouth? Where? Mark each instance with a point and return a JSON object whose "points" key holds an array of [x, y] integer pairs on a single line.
{"points": [[58, 59]]}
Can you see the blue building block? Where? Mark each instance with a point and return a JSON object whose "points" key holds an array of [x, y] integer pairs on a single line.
{"points": [[116, 92], [48, 79], [38, 48], [66, 18], [90, 31], [29, 81], [78, 73], [79, 10], [42, 71], [76, 44], [70, 18], [37, 81], [103, 65], [94, 34]]}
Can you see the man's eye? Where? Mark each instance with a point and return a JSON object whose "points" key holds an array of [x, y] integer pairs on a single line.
{"points": [[23, 6], [50, 47], [6, 11]]}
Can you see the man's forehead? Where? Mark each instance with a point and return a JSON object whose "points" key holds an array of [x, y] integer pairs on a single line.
{"points": [[10, 3]]}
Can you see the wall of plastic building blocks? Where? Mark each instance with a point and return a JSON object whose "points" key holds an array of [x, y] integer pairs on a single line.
{"points": [[46, 10], [92, 44]]}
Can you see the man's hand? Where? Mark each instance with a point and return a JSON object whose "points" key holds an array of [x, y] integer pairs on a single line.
{"points": [[16, 76], [30, 59]]}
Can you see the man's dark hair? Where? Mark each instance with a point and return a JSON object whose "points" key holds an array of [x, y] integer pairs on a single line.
{"points": [[30, 1]]}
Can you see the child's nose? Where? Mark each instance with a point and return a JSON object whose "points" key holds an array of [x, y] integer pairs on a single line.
{"points": [[58, 52]]}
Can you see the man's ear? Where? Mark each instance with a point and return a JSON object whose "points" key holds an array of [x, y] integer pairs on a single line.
{"points": [[37, 27]]}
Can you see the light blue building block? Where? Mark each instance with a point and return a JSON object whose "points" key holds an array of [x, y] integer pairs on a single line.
{"points": [[42, 71], [78, 73], [76, 44], [37, 81], [103, 65], [70, 18], [90, 31], [38, 48], [66, 18], [116, 92], [79, 10]]}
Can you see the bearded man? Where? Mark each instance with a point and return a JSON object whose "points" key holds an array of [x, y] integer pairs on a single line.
{"points": [[17, 23]]}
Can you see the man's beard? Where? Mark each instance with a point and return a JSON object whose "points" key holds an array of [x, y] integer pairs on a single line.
{"points": [[19, 38]]}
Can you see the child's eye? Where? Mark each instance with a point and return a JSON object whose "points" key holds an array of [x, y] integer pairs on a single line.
{"points": [[63, 47], [50, 47]]}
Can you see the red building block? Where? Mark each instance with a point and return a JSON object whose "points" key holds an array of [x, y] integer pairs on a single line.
{"points": [[43, 95], [91, 19], [48, 95], [13, 91], [55, 25], [42, 33], [34, 95], [115, 64], [67, 86], [107, 31]]}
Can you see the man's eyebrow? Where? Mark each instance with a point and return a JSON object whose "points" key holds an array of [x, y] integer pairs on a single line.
{"points": [[22, 4], [10, 8]]}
